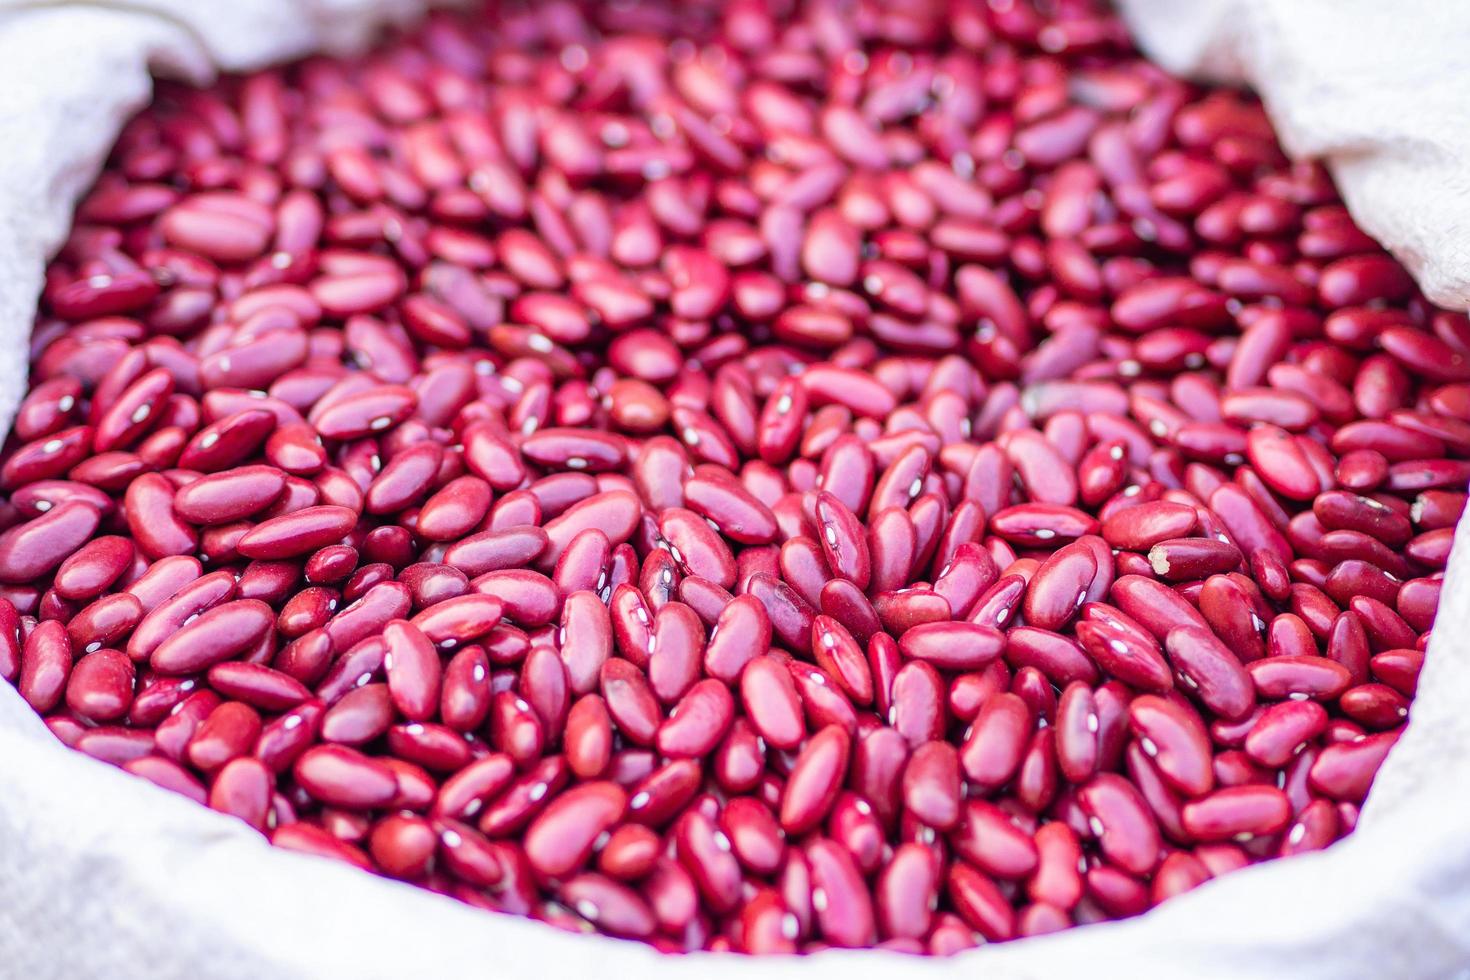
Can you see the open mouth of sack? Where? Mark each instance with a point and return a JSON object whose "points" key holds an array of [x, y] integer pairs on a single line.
{"points": [[737, 476]]}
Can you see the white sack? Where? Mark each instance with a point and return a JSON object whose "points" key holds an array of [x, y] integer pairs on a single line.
{"points": [[103, 874], [1379, 89]]}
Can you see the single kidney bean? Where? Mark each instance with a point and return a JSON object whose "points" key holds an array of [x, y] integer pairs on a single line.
{"points": [[229, 731], [342, 777], [562, 836], [220, 634]]}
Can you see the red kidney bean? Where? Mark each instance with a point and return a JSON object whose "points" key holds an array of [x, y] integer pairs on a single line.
{"points": [[526, 597], [285, 737], [1059, 586], [906, 892], [1077, 724], [311, 839], [840, 656], [469, 856], [403, 845], [981, 903], [492, 550], [1059, 658], [630, 853], [629, 701], [298, 533], [413, 670], [953, 646], [769, 698], [342, 777], [455, 509], [612, 907], [931, 785], [257, 685], [1297, 677], [677, 648], [104, 622], [827, 434], [561, 837], [588, 736], [93, 567], [1185, 559], [740, 759], [242, 788], [741, 633], [1208, 669], [705, 853], [990, 839], [754, 835], [113, 744], [169, 775], [1118, 816], [1175, 739], [1284, 729], [219, 498], [996, 742], [173, 733], [148, 507], [464, 794], [11, 643], [100, 687], [1126, 652], [698, 722], [38, 546], [447, 624], [229, 731], [841, 901], [1237, 813], [1057, 880], [359, 716], [217, 635], [1345, 770], [815, 779]]}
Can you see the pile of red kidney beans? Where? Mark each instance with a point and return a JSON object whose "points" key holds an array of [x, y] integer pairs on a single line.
{"points": [[753, 476]]}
